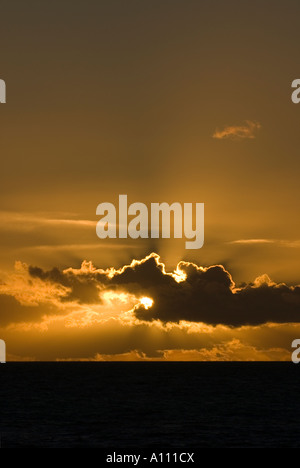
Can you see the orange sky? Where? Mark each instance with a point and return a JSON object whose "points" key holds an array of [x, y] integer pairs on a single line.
{"points": [[164, 101]]}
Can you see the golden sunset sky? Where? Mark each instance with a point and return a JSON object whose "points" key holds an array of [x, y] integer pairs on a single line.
{"points": [[165, 101]]}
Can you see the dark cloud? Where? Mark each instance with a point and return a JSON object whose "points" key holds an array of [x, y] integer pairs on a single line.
{"points": [[11, 310], [209, 296], [54, 275], [206, 295], [143, 276], [84, 290]]}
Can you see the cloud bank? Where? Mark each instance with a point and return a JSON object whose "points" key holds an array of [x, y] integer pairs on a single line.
{"points": [[144, 312], [190, 293]]}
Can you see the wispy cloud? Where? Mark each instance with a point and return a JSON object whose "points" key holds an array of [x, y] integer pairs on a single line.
{"points": [[26, 221], [253, 241], [72, 247], [282, 242], [238, 132]]}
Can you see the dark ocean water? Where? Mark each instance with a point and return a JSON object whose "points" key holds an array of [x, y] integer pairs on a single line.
{"points": [[149, 405]]}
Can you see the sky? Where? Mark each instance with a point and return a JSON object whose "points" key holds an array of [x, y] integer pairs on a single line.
{"points": [[165, 101]]}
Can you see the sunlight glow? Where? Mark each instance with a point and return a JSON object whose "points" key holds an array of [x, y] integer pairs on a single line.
{"points": [[179, 275], [147, 302]]}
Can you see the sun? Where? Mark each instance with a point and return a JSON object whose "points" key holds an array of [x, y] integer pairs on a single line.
{"points": [[147, 302]]}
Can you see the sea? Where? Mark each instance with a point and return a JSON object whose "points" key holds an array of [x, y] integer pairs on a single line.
{"points": [[158, 406]]}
